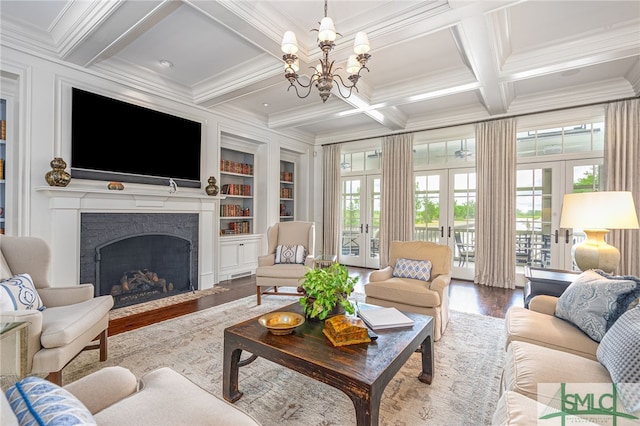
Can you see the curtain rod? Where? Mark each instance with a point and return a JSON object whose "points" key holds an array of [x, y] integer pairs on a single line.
{"points": [[486, 120]]}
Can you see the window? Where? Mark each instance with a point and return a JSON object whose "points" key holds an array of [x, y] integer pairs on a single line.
{"points": [[570, 139]]}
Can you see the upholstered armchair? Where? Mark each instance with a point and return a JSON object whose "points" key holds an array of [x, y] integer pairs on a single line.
{"points": [[72, 319], [428, 294], [280, 269]]}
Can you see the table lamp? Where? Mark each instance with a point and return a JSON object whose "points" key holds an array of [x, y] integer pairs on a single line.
{"points": [[596, 213]]}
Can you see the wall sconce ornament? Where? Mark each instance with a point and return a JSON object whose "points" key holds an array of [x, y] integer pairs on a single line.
{"points": [[58, 176], [212, 188]]}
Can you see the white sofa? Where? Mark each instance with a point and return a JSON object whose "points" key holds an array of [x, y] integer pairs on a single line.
{"points": [[114, 396], [542, 348]]}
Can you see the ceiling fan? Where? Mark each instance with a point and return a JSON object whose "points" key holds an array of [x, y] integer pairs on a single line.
{"points": [[462, 152]]}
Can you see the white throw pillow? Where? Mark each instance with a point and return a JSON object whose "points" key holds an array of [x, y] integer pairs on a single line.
{"points": [[290, 254], [19, 293]]}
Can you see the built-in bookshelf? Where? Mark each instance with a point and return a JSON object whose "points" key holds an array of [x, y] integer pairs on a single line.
{"points": [[287, 191], [236, 188], [3, 157]]}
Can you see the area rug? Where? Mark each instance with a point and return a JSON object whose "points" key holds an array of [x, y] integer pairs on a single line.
{"points": [[165, 301], [464, 391]]}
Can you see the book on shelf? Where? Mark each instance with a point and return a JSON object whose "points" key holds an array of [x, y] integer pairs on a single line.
{"points": [[383, 318]]}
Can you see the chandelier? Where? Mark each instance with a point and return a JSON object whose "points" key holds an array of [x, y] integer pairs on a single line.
{"points": [[324, 73]]}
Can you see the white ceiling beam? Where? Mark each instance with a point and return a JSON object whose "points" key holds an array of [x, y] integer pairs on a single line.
{"points": [[479, 47]]}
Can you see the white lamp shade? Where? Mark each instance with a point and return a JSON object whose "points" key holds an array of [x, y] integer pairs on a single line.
{"points": [[361, 43], [599, 210], [353, 66], [289, 43], [327, 31]]}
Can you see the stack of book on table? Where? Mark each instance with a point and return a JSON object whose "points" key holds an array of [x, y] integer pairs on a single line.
{"points": [[378, 318]]}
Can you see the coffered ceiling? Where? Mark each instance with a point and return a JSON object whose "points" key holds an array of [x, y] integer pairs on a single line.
{"points": [[433, 63]]}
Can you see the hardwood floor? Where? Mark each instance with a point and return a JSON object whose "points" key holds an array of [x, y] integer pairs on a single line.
{"points": [[464, 296]]}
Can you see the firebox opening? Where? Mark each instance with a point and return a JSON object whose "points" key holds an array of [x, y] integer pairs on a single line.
{"points": [[145, 267]]}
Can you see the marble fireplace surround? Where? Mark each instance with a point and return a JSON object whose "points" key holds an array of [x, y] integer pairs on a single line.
{"points": [[66, 205]]}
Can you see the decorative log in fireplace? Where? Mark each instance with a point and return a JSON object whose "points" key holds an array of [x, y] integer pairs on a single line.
{"points": [[135, 281]]}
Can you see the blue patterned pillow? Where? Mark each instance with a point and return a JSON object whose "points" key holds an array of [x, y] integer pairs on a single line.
{"points": [[19, 293], [593, 302], [416, 269], [290, 254], [619, 353], [36, 401]]}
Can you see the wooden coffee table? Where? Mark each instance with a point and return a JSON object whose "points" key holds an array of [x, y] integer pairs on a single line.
{"points": [[361, 371]]}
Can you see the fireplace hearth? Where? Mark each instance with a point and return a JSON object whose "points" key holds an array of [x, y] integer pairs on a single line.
{"points": [[139, 257]]}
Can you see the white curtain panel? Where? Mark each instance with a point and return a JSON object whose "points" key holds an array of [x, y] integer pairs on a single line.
{"points": [[396, 193], [331, 199], [496, 203], [622, 173]]}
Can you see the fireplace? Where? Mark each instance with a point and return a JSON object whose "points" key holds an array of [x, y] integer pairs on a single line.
{"points": [[138, 257]]}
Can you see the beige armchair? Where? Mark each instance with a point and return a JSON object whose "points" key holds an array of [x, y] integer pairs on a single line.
{"points": [[74, 320], [414, 295], [271, 275]]}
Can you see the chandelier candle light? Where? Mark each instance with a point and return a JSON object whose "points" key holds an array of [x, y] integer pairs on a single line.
{"points": [[324, 76]]}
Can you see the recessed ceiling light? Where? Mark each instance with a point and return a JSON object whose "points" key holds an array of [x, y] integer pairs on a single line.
{"points": [[265, 104], [165, 63]]}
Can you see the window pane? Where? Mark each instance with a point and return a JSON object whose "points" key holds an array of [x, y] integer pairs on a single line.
{"points": [[357, 161], [437, 153], [577, 138], [420, 155], [598, 136], [373, 159]]}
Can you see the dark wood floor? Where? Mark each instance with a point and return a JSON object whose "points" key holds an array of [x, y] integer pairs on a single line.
{"points": [[464, 296]]}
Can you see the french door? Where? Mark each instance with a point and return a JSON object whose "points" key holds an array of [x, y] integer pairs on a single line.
{"points": [[445, 214], [540, 241], [360, 221]]}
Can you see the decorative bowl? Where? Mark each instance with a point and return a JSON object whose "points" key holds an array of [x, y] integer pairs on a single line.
{"points": [[281, 323]]}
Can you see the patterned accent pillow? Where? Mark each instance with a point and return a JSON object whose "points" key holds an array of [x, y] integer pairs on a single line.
{"points": [[291, 254], [36, 401], [591, 302], [619, 353], [410, 268], [19, 293]]}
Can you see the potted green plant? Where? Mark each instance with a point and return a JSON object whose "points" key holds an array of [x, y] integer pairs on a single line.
{"points": [[326, 290]]}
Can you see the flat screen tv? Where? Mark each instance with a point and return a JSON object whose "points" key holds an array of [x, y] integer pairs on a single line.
{"points": [[117, 141]]}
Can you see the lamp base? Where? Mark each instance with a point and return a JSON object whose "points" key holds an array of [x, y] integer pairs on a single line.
{"points": [[595, 253]]}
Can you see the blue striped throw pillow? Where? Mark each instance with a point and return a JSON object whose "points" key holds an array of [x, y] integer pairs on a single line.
{"points": [[36, 401]]}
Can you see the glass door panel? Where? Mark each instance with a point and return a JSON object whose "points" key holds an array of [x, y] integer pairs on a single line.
{"points": [[445, 203], [430, 209], [540, 188], [534, 217], [360, 222], [372, 226], [350, 232], [462, 214]]}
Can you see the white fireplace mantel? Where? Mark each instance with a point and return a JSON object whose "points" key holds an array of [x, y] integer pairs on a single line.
{"points": [[68, 203]]}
